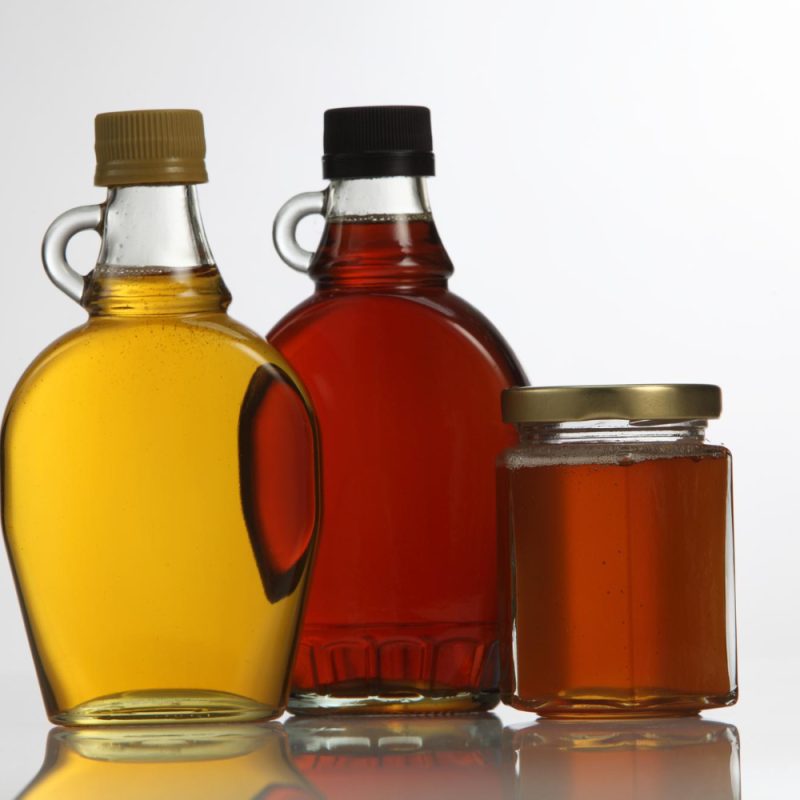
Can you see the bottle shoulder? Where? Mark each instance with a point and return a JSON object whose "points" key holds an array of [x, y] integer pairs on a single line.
{"points": [[106, 353], [58, 350], [194, 331], [483, 328], [419, 319]]}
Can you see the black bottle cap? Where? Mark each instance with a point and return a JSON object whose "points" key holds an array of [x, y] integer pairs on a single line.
{"points": [[377, 141]]}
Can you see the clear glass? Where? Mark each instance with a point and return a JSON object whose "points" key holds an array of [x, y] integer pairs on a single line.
{"points": [[159, 488], [616, 563], [405, 378], [155, 225], [377, 198]]}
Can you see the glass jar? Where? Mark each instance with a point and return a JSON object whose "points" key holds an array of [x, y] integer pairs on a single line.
{"points": [[616, 552]]}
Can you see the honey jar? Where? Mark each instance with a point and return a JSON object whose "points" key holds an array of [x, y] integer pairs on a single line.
{"points": [[616, 552]]}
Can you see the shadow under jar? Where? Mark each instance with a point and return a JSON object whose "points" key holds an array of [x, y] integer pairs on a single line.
{"points": [[616, 552]]}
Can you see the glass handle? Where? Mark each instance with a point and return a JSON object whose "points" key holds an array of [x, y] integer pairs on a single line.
{"points": [[284, 230], [54, 247]]}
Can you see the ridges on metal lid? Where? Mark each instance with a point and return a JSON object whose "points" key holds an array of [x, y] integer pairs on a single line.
{"points": [[152, 146], [636, 401]]}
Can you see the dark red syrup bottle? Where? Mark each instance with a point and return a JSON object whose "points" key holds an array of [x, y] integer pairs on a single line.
{"points": [[405, 377]]}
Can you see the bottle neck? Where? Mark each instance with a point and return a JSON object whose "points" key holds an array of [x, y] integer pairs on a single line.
{"points": [[378, 199], [379, 233], [154, 256]]}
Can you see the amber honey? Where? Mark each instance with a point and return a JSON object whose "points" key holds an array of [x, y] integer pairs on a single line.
{"points": [[617, 563]]}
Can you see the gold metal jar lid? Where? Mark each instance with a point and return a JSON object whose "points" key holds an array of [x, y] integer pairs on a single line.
{"points": [[150, 147], [636, 401]]}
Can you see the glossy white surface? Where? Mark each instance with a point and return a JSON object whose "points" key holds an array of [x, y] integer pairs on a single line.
{"points": [[506, 755]]}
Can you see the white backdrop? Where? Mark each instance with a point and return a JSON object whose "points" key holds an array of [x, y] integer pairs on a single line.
{"points": [[618, 185]]}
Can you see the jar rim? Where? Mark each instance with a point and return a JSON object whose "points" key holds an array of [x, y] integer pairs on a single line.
{"points": [[634, 401]]}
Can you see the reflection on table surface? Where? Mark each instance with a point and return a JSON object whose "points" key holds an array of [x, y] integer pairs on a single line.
{"points": [[448, 758], [392, 758], [668, 759], [202, 762]]}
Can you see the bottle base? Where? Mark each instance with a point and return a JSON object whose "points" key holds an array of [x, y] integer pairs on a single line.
{"points": [[165, 707], [611, 705], [391, 702]]}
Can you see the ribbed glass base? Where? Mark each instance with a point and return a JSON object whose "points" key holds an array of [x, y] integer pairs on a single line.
{"points": [[391, 702]]}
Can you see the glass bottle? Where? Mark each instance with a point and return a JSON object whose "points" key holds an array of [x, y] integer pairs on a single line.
{"points": [[405, 377], [155, 584], [179, 762], [616, 533]]}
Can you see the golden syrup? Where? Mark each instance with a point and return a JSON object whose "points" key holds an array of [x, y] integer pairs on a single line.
{"points": [[123, 510]]}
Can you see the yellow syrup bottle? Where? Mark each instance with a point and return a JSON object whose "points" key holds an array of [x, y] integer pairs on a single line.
{"points": [[159, 468]]}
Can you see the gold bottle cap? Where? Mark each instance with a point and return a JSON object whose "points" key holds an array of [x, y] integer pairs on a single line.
{"points": [[147, 147], [637, 401]]}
